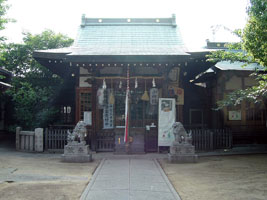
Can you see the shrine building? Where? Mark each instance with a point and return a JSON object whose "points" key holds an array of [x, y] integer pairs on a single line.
{"points": [[94, 70]]}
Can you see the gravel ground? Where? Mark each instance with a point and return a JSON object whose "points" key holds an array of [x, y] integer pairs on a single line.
{"points": [[225, 177], [31, 176]]}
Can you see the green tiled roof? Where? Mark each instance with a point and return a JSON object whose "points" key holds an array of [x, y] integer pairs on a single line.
{"points": [[228, 66], [122, 36], [129, 37]]}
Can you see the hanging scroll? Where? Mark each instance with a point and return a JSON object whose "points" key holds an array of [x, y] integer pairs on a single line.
{"points": [[108, 117]]}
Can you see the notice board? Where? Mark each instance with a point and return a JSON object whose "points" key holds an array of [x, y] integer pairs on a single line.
{"points": [[166, 119]]}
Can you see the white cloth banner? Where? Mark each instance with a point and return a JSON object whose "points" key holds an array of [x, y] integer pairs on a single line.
{"points": [[166, 120], [108, 118]]}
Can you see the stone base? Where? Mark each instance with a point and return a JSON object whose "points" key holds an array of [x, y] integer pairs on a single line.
{"points": [[182, 153], [182, 158], [76, 152], [76, 158], [182, 149]]}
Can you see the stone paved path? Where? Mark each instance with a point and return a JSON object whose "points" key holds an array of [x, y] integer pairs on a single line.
{"points": [[129, 179]]}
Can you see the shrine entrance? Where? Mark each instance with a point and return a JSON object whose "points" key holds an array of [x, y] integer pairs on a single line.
{"points": [[143, 112]]}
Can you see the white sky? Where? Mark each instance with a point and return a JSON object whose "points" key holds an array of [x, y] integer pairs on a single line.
{"points": [[194, 17]]}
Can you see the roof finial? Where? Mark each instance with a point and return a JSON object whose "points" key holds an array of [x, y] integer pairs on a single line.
{"points": [[83, 20], [174, 20]]}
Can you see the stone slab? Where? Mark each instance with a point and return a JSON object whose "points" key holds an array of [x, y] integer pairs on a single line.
{"points": [[76, 158], [115, 184], [150, 195], [149, 186], [107, 195], [132, 183], [182, 158]]}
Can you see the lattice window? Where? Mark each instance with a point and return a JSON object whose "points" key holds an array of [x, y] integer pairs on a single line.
{"points": [[85, 103]]}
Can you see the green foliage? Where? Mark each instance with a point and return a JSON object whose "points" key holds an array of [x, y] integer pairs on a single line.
{"points": [[252, 48], [3, 20], [31, 105], [232, 56], [47, 40], [255, 32], [255, 94], [34, 88]]}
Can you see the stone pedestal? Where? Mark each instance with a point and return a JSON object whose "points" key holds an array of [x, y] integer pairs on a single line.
{"points": [[182, 153], [77, 152]]}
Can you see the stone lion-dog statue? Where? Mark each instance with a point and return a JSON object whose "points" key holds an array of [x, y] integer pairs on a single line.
{"points": [[180, 134], [79, 132]]}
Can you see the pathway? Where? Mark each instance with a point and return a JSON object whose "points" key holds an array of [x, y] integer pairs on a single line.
{"points": [[129, 179]]}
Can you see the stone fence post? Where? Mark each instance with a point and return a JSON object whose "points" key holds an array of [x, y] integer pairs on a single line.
{"points": [[18, 129], [30, 141], [39, 139]]}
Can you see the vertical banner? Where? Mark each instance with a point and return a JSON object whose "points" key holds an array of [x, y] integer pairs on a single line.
{"points": [[87, 117], [166, 119], [108, 114], [126, 108]]}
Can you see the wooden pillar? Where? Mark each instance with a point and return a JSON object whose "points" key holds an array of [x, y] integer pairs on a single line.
{"points": [[180, 114], [94, 119]]}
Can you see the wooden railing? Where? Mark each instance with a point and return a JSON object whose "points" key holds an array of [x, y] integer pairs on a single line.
{"points": [[105, 141], [203, 139], [210, 139], [56, 138]]}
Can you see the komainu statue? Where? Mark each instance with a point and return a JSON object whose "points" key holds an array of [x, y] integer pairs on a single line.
{"points": [[182, 150], [180, 134], [78, 134], [76, 150]]}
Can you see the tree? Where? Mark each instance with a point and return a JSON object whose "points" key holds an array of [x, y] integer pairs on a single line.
{"points": [[34, 86], [3, 19], [255, 32], [254, 50]]}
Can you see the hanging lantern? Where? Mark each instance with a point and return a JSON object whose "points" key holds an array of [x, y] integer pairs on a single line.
{"points": [[145, 96], [135, 83]]}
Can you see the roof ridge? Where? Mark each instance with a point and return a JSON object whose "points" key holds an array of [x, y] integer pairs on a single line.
{"points": [[128, 21]]}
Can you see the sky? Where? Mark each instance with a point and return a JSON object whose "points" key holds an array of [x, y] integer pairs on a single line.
{"points": [[194, 17]]}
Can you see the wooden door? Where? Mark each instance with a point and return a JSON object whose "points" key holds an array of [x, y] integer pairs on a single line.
{"points": [[84, 102], [151, 140]]}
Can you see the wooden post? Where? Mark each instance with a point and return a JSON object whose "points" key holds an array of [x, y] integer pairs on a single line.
{"points": [[127, 111]]}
